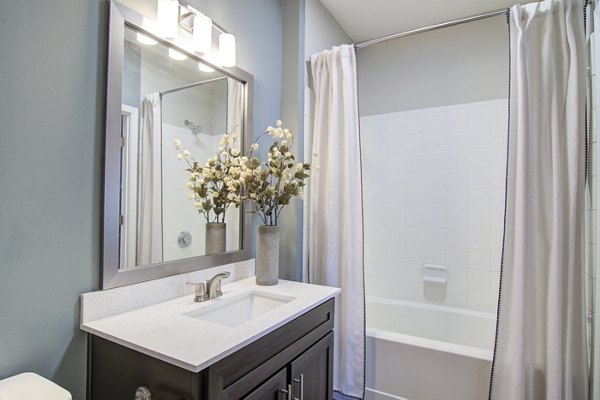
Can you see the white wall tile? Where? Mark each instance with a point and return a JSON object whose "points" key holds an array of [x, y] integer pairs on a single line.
{"points": [[457, 218], [444, 171], [479, 259], [479, 239], [457, 238], [479, 218], [478, 279], [457, 277], [456, 258]]}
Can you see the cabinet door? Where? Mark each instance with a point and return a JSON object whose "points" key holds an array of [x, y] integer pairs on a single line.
{"points": [[312, 372], [273, 389]]}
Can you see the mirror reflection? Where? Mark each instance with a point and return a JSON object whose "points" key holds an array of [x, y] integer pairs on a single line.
{"points": [[167, 97]]}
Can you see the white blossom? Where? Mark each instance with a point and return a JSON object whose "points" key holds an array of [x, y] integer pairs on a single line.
{"points": [[178, 144]]}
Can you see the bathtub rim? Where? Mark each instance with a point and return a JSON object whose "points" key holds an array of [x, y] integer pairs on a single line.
{"points": [[432, 344]]}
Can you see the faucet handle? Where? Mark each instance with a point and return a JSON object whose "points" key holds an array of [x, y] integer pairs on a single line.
{"points": [[200, 291]]}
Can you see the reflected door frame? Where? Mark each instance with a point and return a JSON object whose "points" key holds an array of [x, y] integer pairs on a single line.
{"points": [[129, 180]]}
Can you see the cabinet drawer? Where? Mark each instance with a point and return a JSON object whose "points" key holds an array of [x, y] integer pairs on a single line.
{"points": [[239, 373]]}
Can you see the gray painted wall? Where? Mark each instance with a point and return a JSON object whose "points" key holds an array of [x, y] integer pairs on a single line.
{"points": [[456, 65], [290, 226], [51, 145], [308, 28], [322, 30]]}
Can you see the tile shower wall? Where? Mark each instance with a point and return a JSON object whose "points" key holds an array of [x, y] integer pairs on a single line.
{"points": [[434, 194], [179, 213]]}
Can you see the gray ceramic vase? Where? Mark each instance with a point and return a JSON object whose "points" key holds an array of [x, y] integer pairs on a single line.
{"points": [[215, 238], [267, 255]]}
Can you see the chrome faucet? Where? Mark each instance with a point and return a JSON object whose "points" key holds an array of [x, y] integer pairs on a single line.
{"points": [[211, 289], [213, 285]]}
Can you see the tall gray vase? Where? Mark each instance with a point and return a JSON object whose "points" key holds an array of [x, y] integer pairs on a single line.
{"points": [[267, 255], [215, 238]]}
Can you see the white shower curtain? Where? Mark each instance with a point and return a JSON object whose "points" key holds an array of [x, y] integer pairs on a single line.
{"points": [[335, 236], [150, 240], [541, 338], [235, 106]]}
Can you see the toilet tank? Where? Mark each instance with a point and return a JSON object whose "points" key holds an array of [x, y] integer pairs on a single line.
{"points": [[29, 386]]}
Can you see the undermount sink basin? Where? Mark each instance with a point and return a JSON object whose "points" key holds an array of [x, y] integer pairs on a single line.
{"points": [[239, 309]]}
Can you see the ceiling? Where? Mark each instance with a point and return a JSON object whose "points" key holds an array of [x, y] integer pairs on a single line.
{"points": [[369, 19]]}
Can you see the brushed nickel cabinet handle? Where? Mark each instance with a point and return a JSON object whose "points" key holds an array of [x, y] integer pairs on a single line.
{"points": [[287, 392], [301, 382]]}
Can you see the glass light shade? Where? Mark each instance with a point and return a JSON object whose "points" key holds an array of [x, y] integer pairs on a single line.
{"points": [[175, 55], [202, 33], [143, 39], [167, 16], [205, 68], [227, 50]]}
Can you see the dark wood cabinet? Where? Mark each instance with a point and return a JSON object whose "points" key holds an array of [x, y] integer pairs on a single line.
{"points": [[274, 388], [296, 357], [312, 372]]}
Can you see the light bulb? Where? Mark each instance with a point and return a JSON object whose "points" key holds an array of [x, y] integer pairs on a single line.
{"points": [[175, 55], [227, 50], [143, 39], [202, 33], [167, 16], [205, 68]]}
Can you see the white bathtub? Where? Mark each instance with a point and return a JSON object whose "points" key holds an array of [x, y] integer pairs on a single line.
{"points": [[426, 352]]}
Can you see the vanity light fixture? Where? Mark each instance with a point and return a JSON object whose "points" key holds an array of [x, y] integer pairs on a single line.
{"points": [[202, 33], [167, 16], [227, 50], [175, 55], [143, 39]]}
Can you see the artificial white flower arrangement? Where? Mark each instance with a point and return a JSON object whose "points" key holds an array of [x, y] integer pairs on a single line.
{"points": [[272, 184], [228, 178], [215, 185]]}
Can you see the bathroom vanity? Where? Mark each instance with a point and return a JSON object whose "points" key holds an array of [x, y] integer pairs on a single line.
{"points": [[254, 342], [148, 338]]}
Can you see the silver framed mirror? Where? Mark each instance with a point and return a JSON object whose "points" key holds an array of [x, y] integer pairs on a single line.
{"points": [[160, 91]]}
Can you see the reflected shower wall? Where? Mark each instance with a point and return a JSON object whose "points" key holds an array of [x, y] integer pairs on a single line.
{"points": [[209, 118], [173, 99]]}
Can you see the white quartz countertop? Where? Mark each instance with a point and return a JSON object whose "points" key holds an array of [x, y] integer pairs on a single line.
{"points": [[164, 331]]}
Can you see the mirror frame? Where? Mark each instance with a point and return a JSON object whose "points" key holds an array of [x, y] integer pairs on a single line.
{"points": [[119, 17]]}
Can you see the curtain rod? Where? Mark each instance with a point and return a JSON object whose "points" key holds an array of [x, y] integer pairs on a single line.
{"points": [[191, 85], [473, 18], [446, 25]]}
